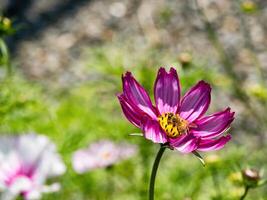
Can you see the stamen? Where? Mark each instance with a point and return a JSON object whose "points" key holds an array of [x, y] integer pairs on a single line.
{"points": [[173, 124]]}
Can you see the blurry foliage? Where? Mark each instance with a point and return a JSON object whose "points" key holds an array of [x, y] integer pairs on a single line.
{"points": [[4, 54], [20, 105], [109, 62], [258, 91], [165, 15], [90, 111]]}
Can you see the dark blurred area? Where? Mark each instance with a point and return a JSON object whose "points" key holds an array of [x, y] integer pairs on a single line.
{"points": [[21, 12]]}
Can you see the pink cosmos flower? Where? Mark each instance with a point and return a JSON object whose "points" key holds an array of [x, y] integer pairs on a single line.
{"points": [[100, 155], [26, 162], [176, 121]]}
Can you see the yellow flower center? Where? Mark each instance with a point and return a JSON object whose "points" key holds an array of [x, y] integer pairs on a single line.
{"points": [[173, 124]]}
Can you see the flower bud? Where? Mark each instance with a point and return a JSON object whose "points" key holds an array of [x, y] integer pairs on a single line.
{"points": [[6, 22], [185, 59], [251, 177], [5, 26]]}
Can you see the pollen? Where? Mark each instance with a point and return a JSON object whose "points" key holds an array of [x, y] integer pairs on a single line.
{"points": [[173, 124]]}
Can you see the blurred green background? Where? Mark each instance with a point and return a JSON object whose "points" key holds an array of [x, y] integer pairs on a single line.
{"points": [[63, 71]]}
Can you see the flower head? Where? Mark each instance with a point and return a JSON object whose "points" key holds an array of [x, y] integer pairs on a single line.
{"points": [[26, 162], [100, 155], [251, 177], [176, 121]]}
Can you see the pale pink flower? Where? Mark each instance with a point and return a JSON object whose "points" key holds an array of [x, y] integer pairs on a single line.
{"points": [[101, 154], [26, 161]]}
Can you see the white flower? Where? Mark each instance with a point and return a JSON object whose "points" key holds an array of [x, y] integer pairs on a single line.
{"points": [[26, 162]]}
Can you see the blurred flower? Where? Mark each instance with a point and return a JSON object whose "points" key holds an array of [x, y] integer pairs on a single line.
{"points": [[5, 26], [236, 178], [258, 91], [185, 59], [251, 177], [26, 162], [117, 9], [249, 6], [6, 22], [212, 159], [100, 155], [176, 122]]}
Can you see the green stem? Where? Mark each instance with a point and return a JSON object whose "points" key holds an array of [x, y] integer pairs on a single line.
{"points": [[110, 182], [154, 172], [4, 56], [245, 193], [216, 182]]}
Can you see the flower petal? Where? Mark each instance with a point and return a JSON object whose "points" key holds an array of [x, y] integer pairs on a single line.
{"points": [[214, 125], [211, 145], [82, 162], [185, 143], [137, 95], [152, 131], [167, 91], [133, 115], [195, 102], [21, 184]]}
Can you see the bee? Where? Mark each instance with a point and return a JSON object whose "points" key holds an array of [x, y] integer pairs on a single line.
{"points": [[173, 124]]}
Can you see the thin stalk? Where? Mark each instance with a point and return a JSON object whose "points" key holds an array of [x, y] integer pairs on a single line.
{"points": [[110, 187], [216, 182], [154, 172], [245, 193], [5, 57]]}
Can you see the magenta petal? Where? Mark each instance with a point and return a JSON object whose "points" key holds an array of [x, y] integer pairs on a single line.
{"points": [[152, 131], [135, 93], [185, 143], [195, 102], [214, 125], [167, 91], [130, 113], [211, 145]]}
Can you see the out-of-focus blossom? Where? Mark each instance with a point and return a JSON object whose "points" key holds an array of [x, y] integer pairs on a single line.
{"points": [[212, 159], [26, 162], [251, 177], [258, 91], [185, 59], [6, 26], [118, 9], [249, 6], [101, 154], [236, 178], [175, 121], [248, 177]]}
